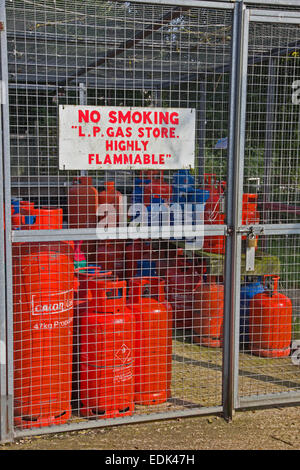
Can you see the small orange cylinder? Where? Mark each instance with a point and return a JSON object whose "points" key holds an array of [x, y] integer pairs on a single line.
{"points": [[270, 328], [208, 315], [153, 340]]}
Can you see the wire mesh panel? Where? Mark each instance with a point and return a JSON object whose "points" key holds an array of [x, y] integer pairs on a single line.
{"points": [[116, 323], [273, 120], [269, 320]]}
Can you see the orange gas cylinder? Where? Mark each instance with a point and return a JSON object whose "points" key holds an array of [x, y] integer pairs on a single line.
{"points": [[112, 197], [82, 211], [250, 214], [49, 218], [44, 283], [270, 329], [110, 256], [19, 210], [16, 221], [26, 207], [45, 218], [171, 259], [148, 174], [106, 353], [157, 187], [81, 298], [181, 281], [138, 250], [214, 213], [82, 203], [208, 314], [153, 340], [86, 275]]}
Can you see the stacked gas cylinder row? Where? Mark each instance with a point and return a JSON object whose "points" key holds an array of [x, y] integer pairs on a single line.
{"points": [[84, 328], [197, 299], [121, 353]]}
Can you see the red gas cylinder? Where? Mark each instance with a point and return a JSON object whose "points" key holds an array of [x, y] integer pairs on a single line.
{"points": [[250, 214], [157, 187], [85, 275], [82, 203], [209, 313], [46, 218], [148, 174], [19, 210], [170, 259], [112, 197], [153, 340], [106, 353], [270, 328], [214, 213], [44, 286], [16, 221], [138, 250], [82, 208], [181, 281], [110, 256], [81, 298], [26, 207]]}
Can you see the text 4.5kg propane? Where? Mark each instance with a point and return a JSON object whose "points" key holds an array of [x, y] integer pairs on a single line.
{"points": [[106, 352], [43, 322]]}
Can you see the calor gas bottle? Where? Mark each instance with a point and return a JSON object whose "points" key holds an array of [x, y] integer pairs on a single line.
{"points": [[106, 352], [270, 328], [84, 294], [208, 314], [82, 211], [181, 281], [44, 285], [249, 289], [153, 340]]}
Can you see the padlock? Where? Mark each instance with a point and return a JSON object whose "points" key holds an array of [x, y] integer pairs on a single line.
{"points": [[252, 241]]}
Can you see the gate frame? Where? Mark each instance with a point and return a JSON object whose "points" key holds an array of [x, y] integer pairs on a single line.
{"points": [[233, 231], [6, 315], [259, 16]]}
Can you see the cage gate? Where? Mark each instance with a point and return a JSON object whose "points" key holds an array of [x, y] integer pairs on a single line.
{"points": [[121, 288], [267, 359]]}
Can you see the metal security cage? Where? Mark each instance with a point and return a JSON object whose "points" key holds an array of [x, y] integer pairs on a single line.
{"points": [[100, 330]]}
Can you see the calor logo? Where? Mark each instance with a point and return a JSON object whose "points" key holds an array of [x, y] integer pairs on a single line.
{"points": [[48, 304]]}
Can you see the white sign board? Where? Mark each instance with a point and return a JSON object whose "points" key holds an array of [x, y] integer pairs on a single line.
{"points": [[119, 138]]}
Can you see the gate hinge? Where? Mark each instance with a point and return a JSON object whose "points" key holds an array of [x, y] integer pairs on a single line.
{"points": [[2, 26]]}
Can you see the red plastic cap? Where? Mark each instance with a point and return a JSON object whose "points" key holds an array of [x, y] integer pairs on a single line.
{"points": [[109, 184]]}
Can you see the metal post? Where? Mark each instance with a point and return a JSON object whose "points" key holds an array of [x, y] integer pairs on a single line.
{"points": [[82, 101], [3, 389], [269, 139], [202, 130], [235, 170], [7, 311]]}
